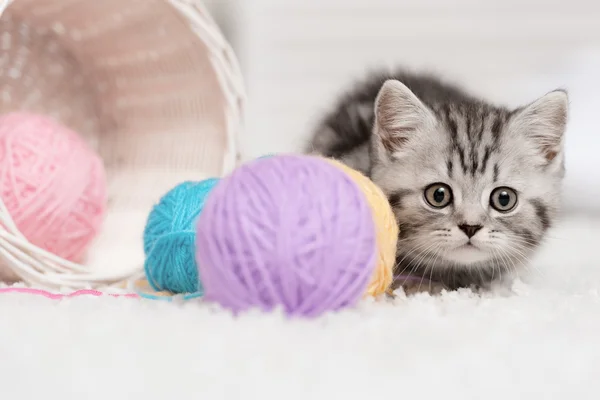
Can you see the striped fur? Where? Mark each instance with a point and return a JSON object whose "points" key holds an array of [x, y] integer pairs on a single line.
{"points": [[409, 131]]}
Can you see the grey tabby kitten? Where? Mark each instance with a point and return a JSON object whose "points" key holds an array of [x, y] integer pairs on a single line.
{"points": [[474, 186]]}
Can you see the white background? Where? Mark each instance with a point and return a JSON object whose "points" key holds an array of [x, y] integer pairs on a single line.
{"points": [[298, 54]]}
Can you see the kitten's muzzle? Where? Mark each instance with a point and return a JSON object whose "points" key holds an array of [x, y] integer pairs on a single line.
{"points": [[470, 230]]}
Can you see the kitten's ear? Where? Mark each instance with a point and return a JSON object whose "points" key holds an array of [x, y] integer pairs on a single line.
{"points": [[544, 122], [399, 116]]}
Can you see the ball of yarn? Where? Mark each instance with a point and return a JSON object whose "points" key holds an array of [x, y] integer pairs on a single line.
{"points": [[169, 238], [52, 183], [386, 226], [286, 231]]}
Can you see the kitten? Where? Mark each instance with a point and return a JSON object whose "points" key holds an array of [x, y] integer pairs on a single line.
{"points": [[474, 186]]}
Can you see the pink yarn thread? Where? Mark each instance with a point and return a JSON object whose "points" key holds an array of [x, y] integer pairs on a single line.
{"points": [[58, 296], [52, 183]]}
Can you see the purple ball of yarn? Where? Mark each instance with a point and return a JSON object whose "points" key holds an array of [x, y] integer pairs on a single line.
{"points": [[290, 231]]}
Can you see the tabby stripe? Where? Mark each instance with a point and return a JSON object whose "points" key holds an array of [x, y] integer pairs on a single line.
{"points": [[396, 198], [486, 158], [496, 128], [474, 152], [480, 135], [542, 212], [452, 125], [474, 161], [468, 122], [461, 155]]}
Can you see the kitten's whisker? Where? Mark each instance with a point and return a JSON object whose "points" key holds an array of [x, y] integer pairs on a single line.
{"points": [[547, 236], [417, 248], [515, 238], [498, 263], [430, 254], [424, 256], [520, 250], [511, 264], [433, 266], [534, 243], [518, 247], [512, 261], [520, 256], [414, 268], [525, 261], [493, 265], [433, 263], [530, 242], [503, 261]]}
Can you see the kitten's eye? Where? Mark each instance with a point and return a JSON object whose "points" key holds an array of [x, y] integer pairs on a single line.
{"points": [[503, 199], [438, 195]]}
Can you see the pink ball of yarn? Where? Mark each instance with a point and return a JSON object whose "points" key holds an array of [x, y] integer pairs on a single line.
{"points": [[52, 183]]}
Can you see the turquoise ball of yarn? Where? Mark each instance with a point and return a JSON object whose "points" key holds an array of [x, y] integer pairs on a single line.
{"points": [[170, 237]]}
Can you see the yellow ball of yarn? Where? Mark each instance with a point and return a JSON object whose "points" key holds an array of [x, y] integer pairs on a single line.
{"points": [[387, 229]]}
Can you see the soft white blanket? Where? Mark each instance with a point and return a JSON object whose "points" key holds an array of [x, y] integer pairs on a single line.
{"points": [[542, 342]]}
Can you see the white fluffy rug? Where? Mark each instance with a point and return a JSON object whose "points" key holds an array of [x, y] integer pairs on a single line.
{"points": [[543, 342]]}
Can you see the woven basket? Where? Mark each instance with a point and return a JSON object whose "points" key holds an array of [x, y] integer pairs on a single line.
{"points": [[150, 84]]}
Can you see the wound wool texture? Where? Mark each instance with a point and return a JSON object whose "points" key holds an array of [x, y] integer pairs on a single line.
{"points": [[286, 231], [52, 183], [386, 226], [170, 238]]}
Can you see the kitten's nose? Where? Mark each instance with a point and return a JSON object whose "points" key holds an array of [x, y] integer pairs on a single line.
{"points": [[470, 230]]}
